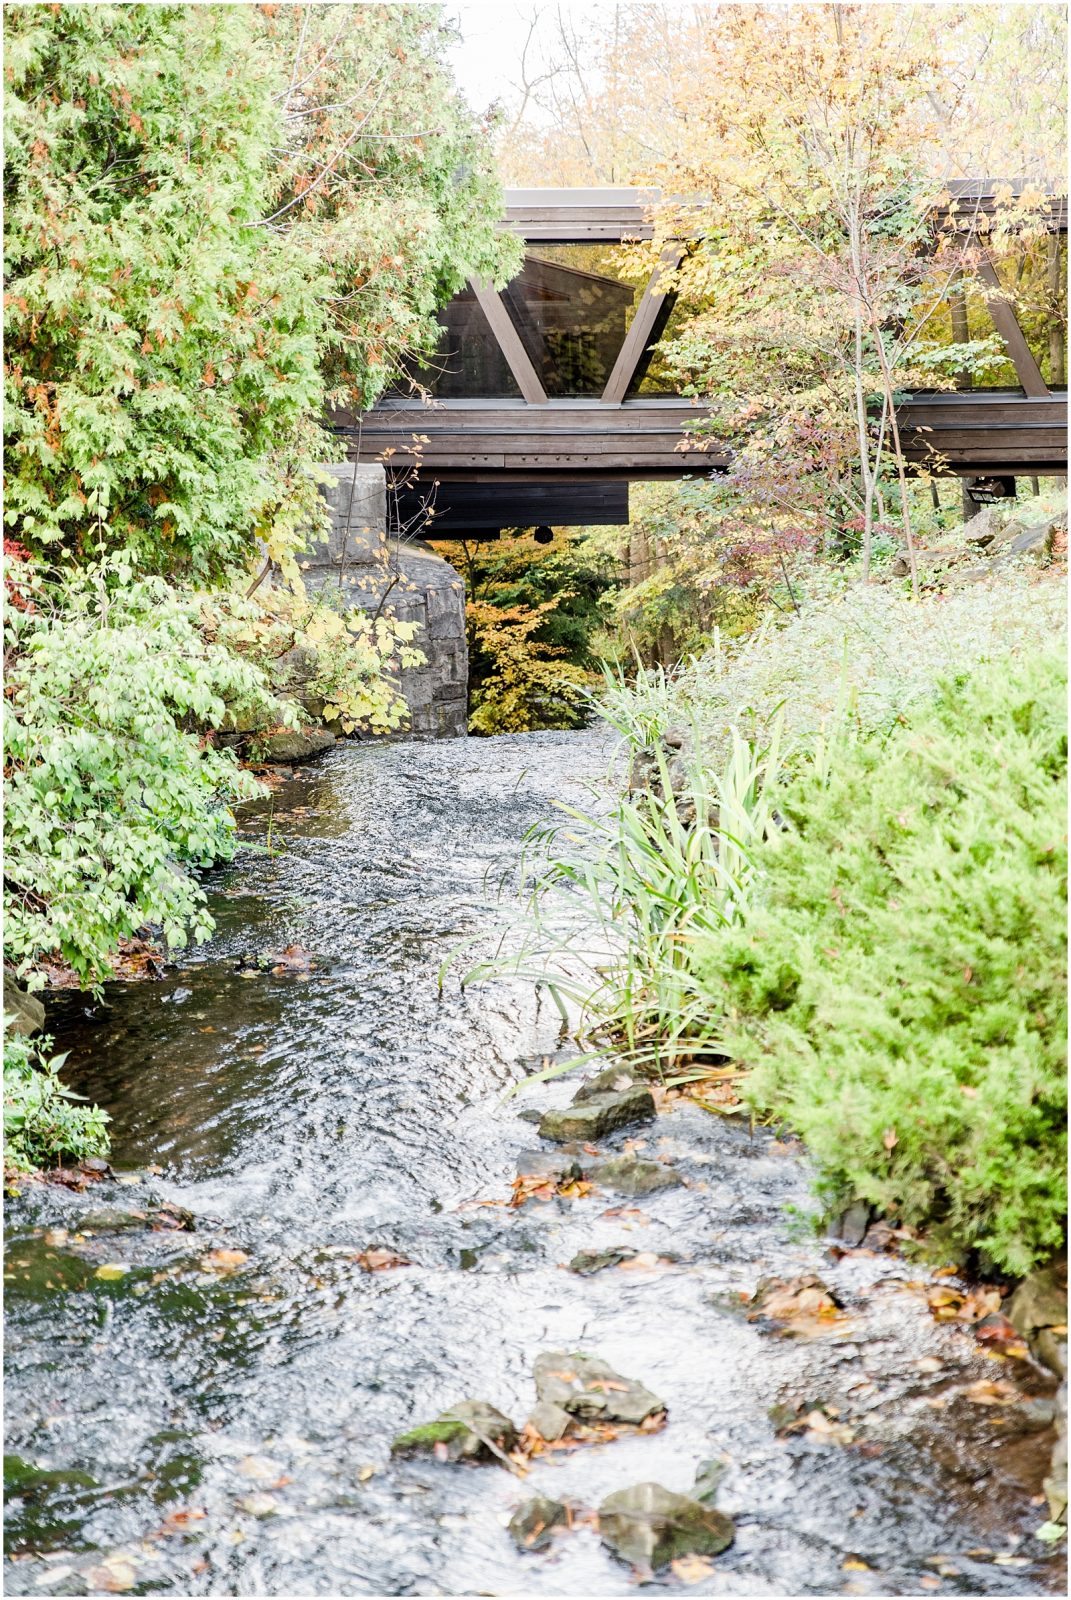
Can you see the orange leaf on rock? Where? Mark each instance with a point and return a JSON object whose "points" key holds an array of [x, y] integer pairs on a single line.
{"points": [[380, 1260], [691, 1569]]}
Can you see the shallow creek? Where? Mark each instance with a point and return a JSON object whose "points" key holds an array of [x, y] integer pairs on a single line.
{"points": [[305, 1117]]}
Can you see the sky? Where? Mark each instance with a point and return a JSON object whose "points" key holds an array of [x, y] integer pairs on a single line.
{"points": [[487, 60]]}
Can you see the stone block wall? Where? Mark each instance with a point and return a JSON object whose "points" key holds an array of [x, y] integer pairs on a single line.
{"points": [[408, 579]]}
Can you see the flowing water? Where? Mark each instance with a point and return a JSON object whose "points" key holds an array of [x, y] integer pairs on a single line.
{"points": [[209, 1424]]}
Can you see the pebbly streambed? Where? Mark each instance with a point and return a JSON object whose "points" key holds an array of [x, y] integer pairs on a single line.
{"points": [[214, 1414]]}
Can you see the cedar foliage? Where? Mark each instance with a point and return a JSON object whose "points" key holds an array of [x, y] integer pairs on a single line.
{"points": [[900, 994], [217, 217]]}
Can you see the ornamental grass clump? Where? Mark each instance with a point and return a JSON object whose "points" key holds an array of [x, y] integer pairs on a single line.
{"points": [[900, 992]]}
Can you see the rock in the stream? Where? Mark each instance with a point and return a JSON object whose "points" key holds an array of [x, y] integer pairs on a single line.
{"points": [[598, 1115], [611, 1080], [26, 1012], [650, 1526], [467, 1431], [587, 1262], [629, 1175], [556, 1165], [1040, 1300], [551, 1422], [708, 1476], [850, 1227], [294, 745], [590, 1390], [532, 1524]]}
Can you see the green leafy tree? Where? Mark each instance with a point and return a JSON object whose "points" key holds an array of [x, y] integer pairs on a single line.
{"points": [[214, 215]]}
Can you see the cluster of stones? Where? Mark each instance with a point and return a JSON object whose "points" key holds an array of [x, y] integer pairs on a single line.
{"points": [[646, 1524], [990, 540]]}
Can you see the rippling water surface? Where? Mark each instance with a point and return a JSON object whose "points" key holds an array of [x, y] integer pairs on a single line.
{"points": [[304, 1118]]}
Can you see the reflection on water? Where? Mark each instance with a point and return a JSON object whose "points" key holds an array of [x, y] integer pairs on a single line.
{"points": [[210, 1416]]}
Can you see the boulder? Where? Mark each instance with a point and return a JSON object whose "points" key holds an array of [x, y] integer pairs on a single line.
{"points": [[25, 1011], [650, 1526], [629, 1175], [293, 745], [1040, 1300], [599, 1115], [473, 1430], [590, 1390], [983, 527], [532, 1524], [850, 1227]]}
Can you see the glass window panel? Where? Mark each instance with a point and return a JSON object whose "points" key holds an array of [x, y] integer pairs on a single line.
{"points": [[572, 306], [468, 362]]}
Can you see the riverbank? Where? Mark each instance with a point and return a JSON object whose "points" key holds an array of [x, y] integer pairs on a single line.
{"points": [[227, 1401]]}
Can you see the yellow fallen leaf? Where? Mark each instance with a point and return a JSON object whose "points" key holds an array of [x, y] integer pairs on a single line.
{"points": [[223, 1260], [115, 1575], [110, 1271], [259, 1467], [366, 1473], [854, 1564], [691, 1569]]}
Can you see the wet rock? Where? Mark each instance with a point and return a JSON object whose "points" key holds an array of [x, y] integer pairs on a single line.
{"points": [[550, 1421], [473, 1430], [558, 1166], [1034, 1416], [1051, 1348], [1040, 1300], [850, 1227], [587, 1262], [532, 1525], [294, 745], [612, 1080], [589, 1389], [630, 1175], [650, 1526], [25, 1011], [708, 1476], [601, 1114]]}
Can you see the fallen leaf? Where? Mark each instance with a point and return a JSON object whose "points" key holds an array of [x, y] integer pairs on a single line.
{"points": [[855, 1564], [928, 1364], [223, 1260], [261, 1467], [381, 1260], [366, 1473], [987, 1392], [111, 1271], [259, 1505], [115, 1575], [890, 1139], [691, 1569]]}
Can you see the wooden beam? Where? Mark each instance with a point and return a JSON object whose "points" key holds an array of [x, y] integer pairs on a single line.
{"points": [[1007, 325], [509, 342], [642, 326]]}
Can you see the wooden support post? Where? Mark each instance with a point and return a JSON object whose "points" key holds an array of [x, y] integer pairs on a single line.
{"points": [[1007, 325], [641, 326], [509, 342]]}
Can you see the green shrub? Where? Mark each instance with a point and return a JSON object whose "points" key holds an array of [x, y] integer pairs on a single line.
{"points": [[42, 1123], [113, 790], [900, 994]]}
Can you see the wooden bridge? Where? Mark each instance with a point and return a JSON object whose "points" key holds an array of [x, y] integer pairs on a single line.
{"points": [[547, 398]]}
